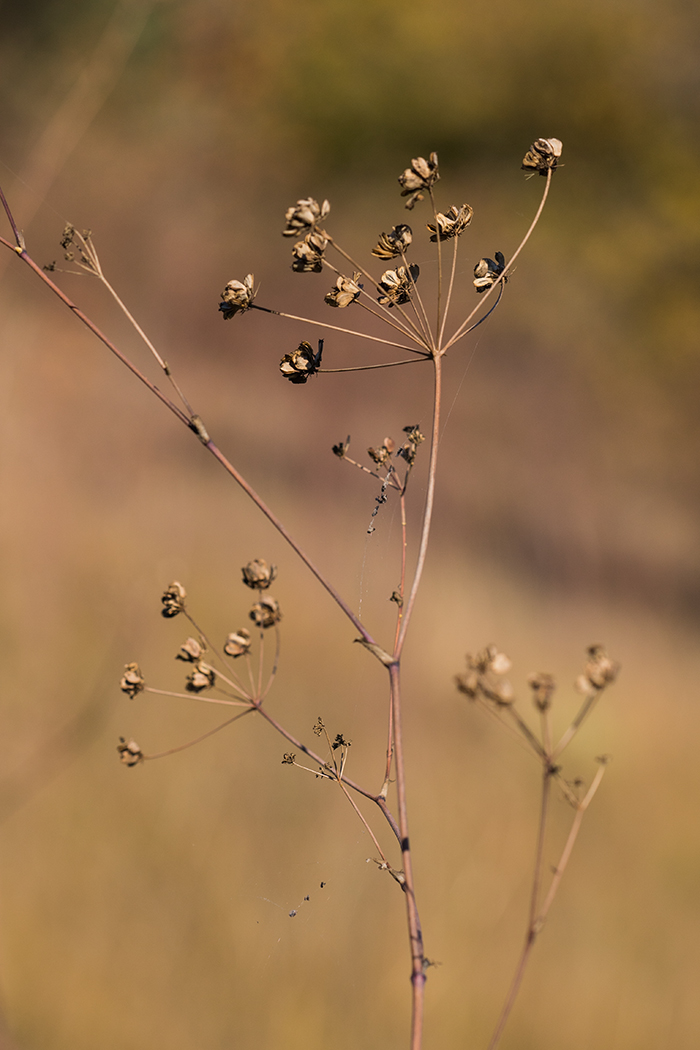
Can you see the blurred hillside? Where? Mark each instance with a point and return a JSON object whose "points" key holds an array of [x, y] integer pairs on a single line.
{"points": [[151, 906]]}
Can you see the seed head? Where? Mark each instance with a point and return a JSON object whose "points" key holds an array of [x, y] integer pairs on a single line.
{"points": [[394, 243], [237, 297], [190, 651], [382, 454], [420, 176], [200, 678], [486, 272], [132, 681], [258, 574], [599, 671], [395, 285], [288, 759], [346, 291], [543, 686], [308, 254], [304, 216], [266, 612], [451, 225], [237, 643], [301, 363], [173, 600], [409, 449], [129, 752], [542, 156]]}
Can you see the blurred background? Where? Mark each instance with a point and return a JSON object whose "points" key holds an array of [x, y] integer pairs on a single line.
{"points": [[150, 907]]}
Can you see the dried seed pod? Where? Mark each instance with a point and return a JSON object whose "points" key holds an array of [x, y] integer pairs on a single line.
{"points": [[346, 291], [200, 678], [258, 574], [487, 271], [409, 449], [394, 243], [420, 176], [173, 600], [599, 671], [542, 156], [237, 297], [382, 454], [308, 254], [129, 752], [132, 681], [237, 643], [190, 651], [395, 285], [452, 224], [266, 612], [304, 216], [301, 363], [543, 686]]}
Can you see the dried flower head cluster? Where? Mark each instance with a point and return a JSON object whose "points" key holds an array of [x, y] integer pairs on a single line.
{"points": [[453, 224], [395, 243], [395, 285], [237, 643], [484, 679], [266, 612], [129, 752], [487, 271], [132, 682], [302, 363], [237, 297], [542, 156], [346, 291], [308, 254], [257, 574], [191, 651], [173, 600], [304, 216], [421, 176], [599, 671], [543, 686]]}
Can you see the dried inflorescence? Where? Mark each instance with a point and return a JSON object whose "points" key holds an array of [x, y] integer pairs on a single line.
{"points": [[419, 177], [395, 243], [487, 271], [266, 612], [409, 449], [237, 643], [308, 254], [451, 224], [395, 285], [304, 216], [346, 291], [599, 671], [173, 600], [483, 677], [129, 752], [542, 156], [237, 297], [383, 453], [543, 686], [257, 574], [132, 681], [301, 363], [191, 651], [201, 677]]}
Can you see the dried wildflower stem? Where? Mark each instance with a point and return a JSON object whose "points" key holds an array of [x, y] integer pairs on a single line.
{"points": [[354, 805], [385, 364], [385, 316], [585, 709], [536, 923], [195, 697], [500, 280], [421, 315], [448, 300], [337, 328], [438, 239], [199, 739]]}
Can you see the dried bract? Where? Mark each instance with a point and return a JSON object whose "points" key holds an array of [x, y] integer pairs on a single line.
{"points": [[301, 363], [190, 651], [384, 453], [173, 600], [408, 450], [308, 254], [420, 176], [237, 643], [394, 243], [258, 574], [132, 681], [202, 677], [346, 291], [599, 671], [542, 156], [487, 271], [129, 752], [543, 686], [266, 612], [395, 285], [237, 297], [452, 224], [304, 216]]}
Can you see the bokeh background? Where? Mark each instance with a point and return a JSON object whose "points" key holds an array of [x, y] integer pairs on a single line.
{"points": [[150, 907]]}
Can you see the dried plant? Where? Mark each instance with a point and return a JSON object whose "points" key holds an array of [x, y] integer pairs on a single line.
{"points": [[240, 672]]}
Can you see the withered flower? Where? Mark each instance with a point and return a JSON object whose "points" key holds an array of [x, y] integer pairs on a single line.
{"points": [[237, 643], [599, 671], [129, 752], [340, 741], [132, 681], [173, 600], [266, 612], [201, 677], [237, 297], [420, 176], [396, 285], [319, 726], [479, 680], [452, 224], [341, 448], [409, 449], [542, 155], [542, 686], [304, 216], [384, 453], [394, 243], [190, 651], [301, 363], [258, 573], [346, 291], [308, 254], [288, 759], [486, 272]]}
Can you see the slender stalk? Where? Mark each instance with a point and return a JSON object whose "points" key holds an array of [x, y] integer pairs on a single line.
{"points": [[386, 364], [438, 239], [371, 834], [199, 739], [337, 328], [585, 709], [441, 333], [199, 699], [421, 315]]}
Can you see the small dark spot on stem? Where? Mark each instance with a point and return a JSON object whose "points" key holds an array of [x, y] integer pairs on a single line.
{"points": [[404, 845]]}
